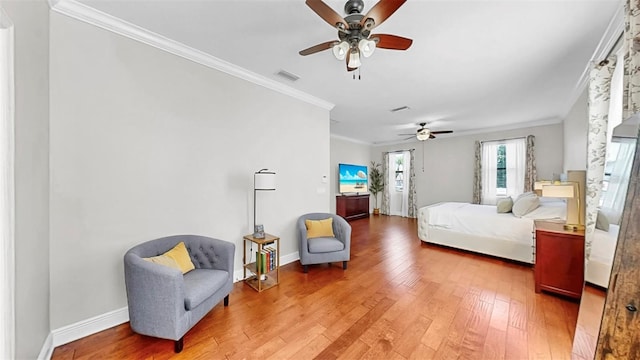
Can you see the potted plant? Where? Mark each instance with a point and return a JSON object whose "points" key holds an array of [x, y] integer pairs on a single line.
{"points": [[376, 184]]}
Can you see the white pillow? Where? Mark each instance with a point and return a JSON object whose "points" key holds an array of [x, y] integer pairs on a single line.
{"points": [[525, 204], [504, 205]]}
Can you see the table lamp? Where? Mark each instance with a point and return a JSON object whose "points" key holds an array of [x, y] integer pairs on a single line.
{"points": [[571, 192]]}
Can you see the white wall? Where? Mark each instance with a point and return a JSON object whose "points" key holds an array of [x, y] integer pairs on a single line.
{"points": [[31, 22], [448, 162], [347, 152], [145, 144], [575, 127]]}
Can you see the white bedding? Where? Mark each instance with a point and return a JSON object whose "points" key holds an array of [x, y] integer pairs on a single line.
{"points": [[603, 247], [480, 228], [485, 221]]}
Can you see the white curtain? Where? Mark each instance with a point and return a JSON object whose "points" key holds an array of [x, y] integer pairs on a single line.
{"points": [[614, 197], [489, 172], [406, 161], [7, 268], [516, 165]]}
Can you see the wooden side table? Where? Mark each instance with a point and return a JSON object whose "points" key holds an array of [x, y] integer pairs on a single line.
{"points": [[559, 266], [264, 270]]}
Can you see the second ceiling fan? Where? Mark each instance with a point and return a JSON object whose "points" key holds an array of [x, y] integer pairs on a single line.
{"points": [[354, 31], [424, 133]]}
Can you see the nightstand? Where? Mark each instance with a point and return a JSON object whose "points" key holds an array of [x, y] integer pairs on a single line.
{"points": [[559, 266]]}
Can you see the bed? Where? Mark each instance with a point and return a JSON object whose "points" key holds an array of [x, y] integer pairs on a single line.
{"points": [[603, 247], [481, 229]]}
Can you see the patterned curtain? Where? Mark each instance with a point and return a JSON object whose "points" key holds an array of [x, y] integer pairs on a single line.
{"points": [[530, 173], [599, 94], [384, 209], [631, 93], [413, 198], [477, 174]]}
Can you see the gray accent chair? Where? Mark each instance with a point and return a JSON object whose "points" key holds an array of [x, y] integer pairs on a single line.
{"points": [[324, 249], [163, 302]]}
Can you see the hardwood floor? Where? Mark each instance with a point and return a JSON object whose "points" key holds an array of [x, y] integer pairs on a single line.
{"points": [[399, 299]]}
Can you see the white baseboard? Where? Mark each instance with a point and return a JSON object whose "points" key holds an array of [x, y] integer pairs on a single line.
{"points": [[84, 328], [90, 326], [47, 348]]}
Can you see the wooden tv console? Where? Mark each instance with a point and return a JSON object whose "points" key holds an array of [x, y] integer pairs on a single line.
{"points": [[352, 207]]}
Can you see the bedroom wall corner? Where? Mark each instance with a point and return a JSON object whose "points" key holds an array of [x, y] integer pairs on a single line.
{"points": [[575, 127], [32, 248]]}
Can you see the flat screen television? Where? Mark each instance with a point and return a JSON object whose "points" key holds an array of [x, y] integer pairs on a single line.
{"points": [[353, 178]]}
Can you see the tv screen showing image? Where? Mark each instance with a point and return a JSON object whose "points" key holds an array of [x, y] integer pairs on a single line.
{"points": [[353, 178]]}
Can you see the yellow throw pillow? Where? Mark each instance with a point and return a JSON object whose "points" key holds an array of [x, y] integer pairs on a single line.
{"points": [[177, 258], [319, 228]]}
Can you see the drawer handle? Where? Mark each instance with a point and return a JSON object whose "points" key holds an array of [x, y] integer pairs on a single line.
{"points": [[631, 308]]}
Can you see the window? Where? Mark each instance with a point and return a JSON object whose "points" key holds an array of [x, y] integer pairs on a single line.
{"points": [[399, 172], [503, 169], [617, 172]]}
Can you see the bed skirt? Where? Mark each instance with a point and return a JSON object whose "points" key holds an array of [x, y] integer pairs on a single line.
{"points": [[483, 245]]}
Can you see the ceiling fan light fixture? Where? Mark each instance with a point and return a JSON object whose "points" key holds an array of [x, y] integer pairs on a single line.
{"points": [[340, 50], [367, 47], [423, 134], [354, 59]]}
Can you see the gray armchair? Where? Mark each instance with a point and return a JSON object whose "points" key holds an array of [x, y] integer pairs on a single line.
{"points": [[163, 302], [324, 249]]}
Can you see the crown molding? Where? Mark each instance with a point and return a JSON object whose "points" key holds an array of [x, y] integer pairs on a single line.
{"points": [[607, 42], [108, 22]]}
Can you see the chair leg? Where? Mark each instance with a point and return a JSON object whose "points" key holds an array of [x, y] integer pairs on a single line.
{"points": [[344, 265], [305, 268], [178, 345], [226, 300]]}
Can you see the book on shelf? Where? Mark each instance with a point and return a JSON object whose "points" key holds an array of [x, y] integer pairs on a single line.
{"points": [[266, 260]]}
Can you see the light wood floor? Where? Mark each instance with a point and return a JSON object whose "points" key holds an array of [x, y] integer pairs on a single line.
{"points": [[399, 299]]}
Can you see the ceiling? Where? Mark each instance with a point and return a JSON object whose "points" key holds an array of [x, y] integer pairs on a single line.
{"points": [[474, 65]]}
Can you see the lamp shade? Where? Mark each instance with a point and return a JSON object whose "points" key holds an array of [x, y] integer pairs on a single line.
{"points": [[264, 180], [340, 50], [367, 47], [354, 59], [563, 190], [423, 134], [540, 183]]}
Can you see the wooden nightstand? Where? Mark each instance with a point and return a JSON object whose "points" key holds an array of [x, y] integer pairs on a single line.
{"points": [[559, 266]]}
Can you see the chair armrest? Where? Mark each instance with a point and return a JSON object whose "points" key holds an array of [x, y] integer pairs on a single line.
{"points": [[153, 292], [302, 236], [342, 230]]}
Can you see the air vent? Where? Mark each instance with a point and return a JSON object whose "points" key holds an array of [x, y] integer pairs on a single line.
{"points": [[287, 75], [401, 108]]}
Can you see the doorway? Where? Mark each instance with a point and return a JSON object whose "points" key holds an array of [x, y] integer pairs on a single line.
{"points": [[398, 190]]}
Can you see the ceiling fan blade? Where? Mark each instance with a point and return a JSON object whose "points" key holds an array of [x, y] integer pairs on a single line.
{"points": [[381, 12], [392, 42], [442, 132], [406, 134], [431, 136], [317, 48], [326, 13]]}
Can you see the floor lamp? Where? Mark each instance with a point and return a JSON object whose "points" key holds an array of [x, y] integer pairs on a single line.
{"points": [[263, 180]]}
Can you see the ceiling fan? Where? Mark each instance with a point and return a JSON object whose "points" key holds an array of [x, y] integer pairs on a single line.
{"points": [[354, 30], [424, 133]]}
